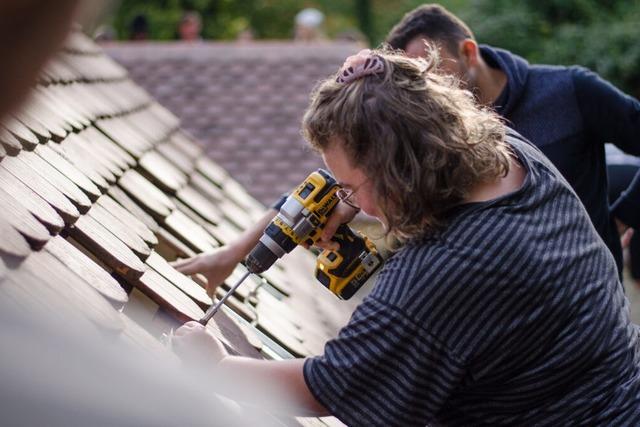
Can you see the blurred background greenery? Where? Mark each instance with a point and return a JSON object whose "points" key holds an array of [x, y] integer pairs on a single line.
{"points": [[599, 34]]}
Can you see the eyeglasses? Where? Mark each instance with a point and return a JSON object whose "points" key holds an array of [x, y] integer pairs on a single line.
{"points": [[346, 195]]}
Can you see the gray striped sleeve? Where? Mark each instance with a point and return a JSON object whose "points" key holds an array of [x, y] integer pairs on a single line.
{"points": [[383, 369], [511, 316]]}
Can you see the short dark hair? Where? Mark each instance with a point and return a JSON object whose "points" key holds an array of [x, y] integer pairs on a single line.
{"points": [[432, 21]]}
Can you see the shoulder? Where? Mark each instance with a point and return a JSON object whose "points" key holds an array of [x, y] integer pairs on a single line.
{"points": [[408, 271], [553, 77], [593, 91], [425, 273], [529, 154], [552, 70], [582, 75], [576, 78]]}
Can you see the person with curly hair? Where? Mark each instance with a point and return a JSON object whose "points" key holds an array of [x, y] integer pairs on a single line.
{"points": [[503, 305]]}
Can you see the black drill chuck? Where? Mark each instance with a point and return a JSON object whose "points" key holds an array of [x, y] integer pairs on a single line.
{"points": [[260, 259]]}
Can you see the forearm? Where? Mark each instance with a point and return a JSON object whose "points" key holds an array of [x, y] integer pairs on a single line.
{"points": [[267, 378]]}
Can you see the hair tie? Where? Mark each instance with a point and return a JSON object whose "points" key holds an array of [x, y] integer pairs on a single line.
{"points": [[360, 65]]}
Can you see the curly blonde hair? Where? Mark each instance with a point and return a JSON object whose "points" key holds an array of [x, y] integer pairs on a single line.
{"points": [[423, 142]]}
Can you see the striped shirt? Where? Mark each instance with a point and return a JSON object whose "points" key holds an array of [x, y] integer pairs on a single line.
{"points": [[513, 315]]}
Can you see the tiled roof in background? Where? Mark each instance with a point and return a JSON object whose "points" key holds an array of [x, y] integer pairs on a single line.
{"points": [[243, 102], [100, 188]]}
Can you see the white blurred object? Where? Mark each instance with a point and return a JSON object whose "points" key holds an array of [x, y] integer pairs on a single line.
{"points": [[310, 17], [308, 23], [57, 370]]}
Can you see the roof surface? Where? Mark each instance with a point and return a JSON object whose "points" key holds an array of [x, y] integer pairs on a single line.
{"points": [[243, 102], [100, 188]]}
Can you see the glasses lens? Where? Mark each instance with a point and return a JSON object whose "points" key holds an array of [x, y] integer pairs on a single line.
{"points": [[345, 196], [342, 194]]}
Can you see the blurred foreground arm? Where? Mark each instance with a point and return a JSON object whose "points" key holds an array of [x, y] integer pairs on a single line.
{"points": [[198, 347]]}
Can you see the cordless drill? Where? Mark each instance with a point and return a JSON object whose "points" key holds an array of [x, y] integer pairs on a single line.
{"points": [[301, 219]]}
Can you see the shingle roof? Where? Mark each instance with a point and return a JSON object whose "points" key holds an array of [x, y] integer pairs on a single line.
{"points": [[243, 102], [100, 187]]}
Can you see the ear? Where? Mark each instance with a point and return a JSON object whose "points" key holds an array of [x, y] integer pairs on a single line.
{"points": [[469, 53]]}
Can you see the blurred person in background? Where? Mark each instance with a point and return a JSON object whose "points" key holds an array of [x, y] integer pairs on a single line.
{"points": [[245, 36], [567, 112], [105, 33], [139, 28], [190, 27], [308, 25]]}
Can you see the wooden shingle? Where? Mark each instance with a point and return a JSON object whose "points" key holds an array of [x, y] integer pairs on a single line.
{"points": [[26, 224], [134, 208], [42, 187], [109, 148], [57, 179], [69, 118], [36, 205], [70, 171], [190, 232], [9, 142], [77, 153], [88, 270], [128, 219], [34, 124], [150, 198], [108, 248], [120, 230], [20, 132], [12, 244], [61, 98], [182, 282], [45, 269], [168, 296], [49, 118], [200, 204], [162, 173]]}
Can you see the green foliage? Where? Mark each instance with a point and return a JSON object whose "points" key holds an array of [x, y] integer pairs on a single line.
{"points": [[225, 19], [163, 17], [599, 34], [610, 49], [509, 25]]}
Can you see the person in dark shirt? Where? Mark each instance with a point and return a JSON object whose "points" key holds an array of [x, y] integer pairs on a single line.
{"points": [[503, 306], [567, 112]]}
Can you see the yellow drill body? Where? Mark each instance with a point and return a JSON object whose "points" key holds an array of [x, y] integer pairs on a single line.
{"points": [[301, 219]]}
